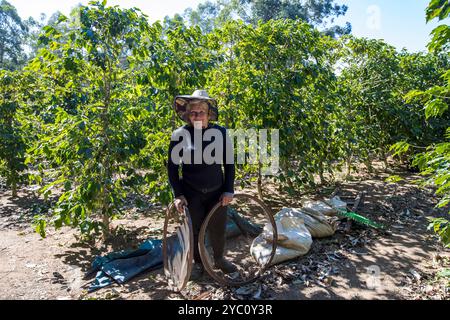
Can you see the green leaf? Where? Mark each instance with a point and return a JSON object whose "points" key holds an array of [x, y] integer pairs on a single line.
{"points": [[40, 225], [399, 148], [438, 9], [440, 38], [62, 18], [435, 107], [414, 94]]}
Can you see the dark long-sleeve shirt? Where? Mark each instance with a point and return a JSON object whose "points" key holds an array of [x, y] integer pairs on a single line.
{"points": [[200, 175]]}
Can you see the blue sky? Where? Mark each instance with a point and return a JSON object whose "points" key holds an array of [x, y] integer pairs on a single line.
{"points": [[399, 22]]}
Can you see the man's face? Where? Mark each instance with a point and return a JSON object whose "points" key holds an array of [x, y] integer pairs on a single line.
{"points": [[198, 115]]}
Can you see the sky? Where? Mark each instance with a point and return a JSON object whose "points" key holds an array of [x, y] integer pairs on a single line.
{"points": [[400, 23]]}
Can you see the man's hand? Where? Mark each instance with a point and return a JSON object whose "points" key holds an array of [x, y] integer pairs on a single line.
{"points": [[226, 199], [180, 203]]}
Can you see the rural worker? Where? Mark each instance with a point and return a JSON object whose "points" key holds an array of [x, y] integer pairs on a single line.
{"points": [[203, 183]]}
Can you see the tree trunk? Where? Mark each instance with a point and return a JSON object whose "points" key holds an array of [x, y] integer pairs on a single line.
{"points": [[369, 164], [106, 161], [14, 188], [285, 168], [322, 178], [2, 53], [260, 193], [385, 160], [349, 166], [105, 222], [12, 178]]}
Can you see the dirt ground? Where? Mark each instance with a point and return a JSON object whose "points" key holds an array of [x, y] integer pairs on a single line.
{"points": [[402, 263]]}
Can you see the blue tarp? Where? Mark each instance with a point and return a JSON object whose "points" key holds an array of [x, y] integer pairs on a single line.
{"points": [[124, 265]]}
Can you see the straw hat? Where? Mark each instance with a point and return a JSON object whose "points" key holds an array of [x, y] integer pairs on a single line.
{"points": [[181, 102]]}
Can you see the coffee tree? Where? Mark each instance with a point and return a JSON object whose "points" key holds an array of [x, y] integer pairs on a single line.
{"points": [[368, 84], [434, 163], [178, 65], [12, 129], [275, 76], [90, 140]]}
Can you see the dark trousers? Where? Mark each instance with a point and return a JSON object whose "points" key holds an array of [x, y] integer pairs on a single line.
{"points": [[199, 205]]}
